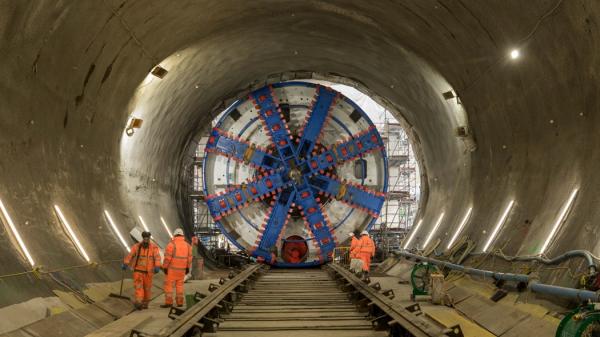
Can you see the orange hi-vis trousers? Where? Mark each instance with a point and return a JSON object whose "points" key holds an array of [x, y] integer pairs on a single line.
{"points": [[177, 277], [142, 282], [366, 259]]}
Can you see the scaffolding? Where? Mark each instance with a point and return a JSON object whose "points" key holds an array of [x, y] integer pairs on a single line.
{"points": [[204, 227], [400, 207]]}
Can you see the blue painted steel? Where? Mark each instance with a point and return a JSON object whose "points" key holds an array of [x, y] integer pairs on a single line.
{"points": [[353, 195], [270, 114], [345, 151], [326, 97], [219, 205], [273, 227], [223, 144], [240, 134], [291, 157], [318, 224]]}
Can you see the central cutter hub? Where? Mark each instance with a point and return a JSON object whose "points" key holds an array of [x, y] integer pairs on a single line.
{"points": [[296, 175]]}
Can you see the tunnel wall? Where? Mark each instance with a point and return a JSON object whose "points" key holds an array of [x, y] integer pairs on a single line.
{"points": [[71, 72]]}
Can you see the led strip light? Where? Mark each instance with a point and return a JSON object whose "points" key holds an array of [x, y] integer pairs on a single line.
{"points": [[114, 227], [74, 238], [16, 234]]}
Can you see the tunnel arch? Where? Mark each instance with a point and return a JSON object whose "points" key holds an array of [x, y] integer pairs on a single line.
{"points": [[66, 92]]}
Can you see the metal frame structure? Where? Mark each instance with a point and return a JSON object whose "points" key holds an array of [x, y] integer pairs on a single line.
{"points": [[203, 225], [402, 199]]}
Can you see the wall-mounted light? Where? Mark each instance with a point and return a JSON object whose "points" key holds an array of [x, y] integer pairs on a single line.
{"points": [[72, 235], [460, 227], [114, 227], [13, 229], [561, 218], [159, 72], [166, 227], [437, 224], [143, 223], [498, 226], [515, 54], [132, 124], [412, 235]]}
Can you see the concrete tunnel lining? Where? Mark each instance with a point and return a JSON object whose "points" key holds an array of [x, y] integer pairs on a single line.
{"points": [[66, 93]]}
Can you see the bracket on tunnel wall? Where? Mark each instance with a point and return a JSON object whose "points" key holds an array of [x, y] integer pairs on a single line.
{"points": [[134, 123]]}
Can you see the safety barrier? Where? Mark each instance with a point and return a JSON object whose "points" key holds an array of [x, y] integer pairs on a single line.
{"points": [[341, 256]]}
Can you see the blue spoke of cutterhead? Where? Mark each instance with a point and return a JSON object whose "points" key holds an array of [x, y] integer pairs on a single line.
{"points": [[275, 125], [339, 153], [236, 198], [357, 196], [272, 228], [318, 222], [223, 143], [316, 120]]}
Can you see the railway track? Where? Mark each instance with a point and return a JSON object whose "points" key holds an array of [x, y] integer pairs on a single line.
{"points": [[305, 302], [326, 302]]}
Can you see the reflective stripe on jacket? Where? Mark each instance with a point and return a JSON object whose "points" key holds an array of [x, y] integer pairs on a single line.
{"points": [[178, 254], [143, 259], [366, 245]]}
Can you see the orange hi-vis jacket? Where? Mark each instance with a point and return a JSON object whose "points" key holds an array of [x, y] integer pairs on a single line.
{"points": [[366, 245], [178, 255], [354, 248], [143, 260]]}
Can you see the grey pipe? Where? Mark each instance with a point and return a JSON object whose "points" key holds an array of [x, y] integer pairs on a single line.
{"points": [[568, 255], [467, 270], [532, 283], [574, 294]]}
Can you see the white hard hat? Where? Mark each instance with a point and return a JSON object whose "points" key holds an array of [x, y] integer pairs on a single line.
{"points": [[178, 231], [364, 233], [350, 234]]}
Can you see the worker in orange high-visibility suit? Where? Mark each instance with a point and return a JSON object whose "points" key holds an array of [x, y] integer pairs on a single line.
{"points": [[177, 263], [366, 250], [354, 243], [144, 260], [355, 262]]}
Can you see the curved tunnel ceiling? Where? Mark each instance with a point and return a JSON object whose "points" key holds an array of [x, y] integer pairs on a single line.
{"points": [[71, 78]]}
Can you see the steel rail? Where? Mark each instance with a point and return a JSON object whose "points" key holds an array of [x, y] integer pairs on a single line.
{"points": [[409, 321], [193, 317]]}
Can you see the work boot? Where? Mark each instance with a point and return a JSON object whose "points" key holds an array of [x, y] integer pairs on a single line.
{"points": [[166, 305], [145, 306], [138, 306], [179, 305]]}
